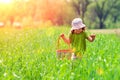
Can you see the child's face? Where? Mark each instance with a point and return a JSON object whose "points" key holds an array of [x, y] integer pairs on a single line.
{"points": [[77, 31]]}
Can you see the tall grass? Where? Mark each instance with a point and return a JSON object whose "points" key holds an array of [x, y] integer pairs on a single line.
{"points": [[29, 54]]}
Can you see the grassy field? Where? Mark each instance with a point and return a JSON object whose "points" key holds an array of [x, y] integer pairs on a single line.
{"points": [[30, 54]]}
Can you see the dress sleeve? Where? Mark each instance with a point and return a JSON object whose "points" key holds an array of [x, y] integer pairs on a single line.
{"points": [[86, 34]]}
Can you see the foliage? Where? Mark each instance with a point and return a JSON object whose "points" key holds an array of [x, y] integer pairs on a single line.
{"points": [[80, 7], [100, 11], [95, 13], [29, 54]]}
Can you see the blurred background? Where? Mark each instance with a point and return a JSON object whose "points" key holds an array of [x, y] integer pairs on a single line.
{"points": [[96, 14], [29, 33]]}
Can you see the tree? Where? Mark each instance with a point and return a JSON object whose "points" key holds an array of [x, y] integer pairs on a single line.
{"points": [[80, 7], [103, 9], [99, 11], [115, 12]]}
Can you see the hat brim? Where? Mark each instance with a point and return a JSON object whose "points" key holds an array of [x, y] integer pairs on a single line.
{"points": [[81, 26]]}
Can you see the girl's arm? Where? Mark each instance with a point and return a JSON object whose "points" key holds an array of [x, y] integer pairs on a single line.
{"points": [[66, 40], [91, 38]]}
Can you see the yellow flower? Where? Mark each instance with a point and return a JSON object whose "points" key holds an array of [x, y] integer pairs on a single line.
{"points": [[74, 49], [79, 55], [100, 71]]}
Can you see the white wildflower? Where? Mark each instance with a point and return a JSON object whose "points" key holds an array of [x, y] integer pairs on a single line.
{"points": [[99, 58], [104, 60], [72, 73], [15, 75], [93, 79], [1, 61], [5, 74]]}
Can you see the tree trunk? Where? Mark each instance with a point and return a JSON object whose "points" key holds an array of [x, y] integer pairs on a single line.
{"points": [[101, 24], [114, 19]]}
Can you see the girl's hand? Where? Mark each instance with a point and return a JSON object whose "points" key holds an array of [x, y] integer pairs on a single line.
{"points": [[62, 35], [93, 35], [66, 40], [91, 38]]}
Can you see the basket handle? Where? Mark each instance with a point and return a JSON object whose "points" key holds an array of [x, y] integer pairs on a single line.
{"points": [[58, 42]]}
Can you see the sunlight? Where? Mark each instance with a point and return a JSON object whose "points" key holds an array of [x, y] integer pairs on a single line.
{"points": [[5, 1]]}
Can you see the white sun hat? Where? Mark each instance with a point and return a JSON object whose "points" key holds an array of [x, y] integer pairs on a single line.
{"points": [[77, 24]]}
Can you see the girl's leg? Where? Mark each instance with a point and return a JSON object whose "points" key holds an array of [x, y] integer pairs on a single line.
{"points": [[73, 57]]}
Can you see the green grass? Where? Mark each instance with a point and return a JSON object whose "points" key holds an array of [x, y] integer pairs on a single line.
{"points": [[30, 54]]}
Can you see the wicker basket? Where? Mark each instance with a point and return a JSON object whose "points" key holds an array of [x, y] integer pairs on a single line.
{"points": [[63, 53]]}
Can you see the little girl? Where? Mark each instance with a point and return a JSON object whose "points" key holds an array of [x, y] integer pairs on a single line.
{"points": [[77, 38]]}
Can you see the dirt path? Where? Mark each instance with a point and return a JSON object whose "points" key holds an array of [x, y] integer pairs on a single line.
{"points": [[106, 31]]}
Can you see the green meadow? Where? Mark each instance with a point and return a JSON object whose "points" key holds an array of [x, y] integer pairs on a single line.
{"points": [[30, 54]]}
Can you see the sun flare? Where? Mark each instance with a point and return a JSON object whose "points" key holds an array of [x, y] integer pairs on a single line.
{"points": [[5, 1]]}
